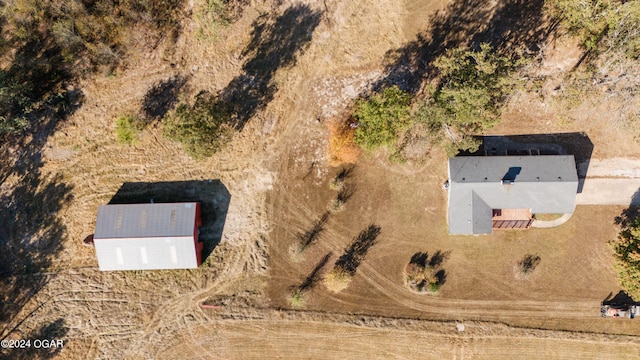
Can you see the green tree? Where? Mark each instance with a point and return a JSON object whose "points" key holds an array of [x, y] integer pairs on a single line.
{"points": [[627, 254], [586, 19], [601, 25], [202, 128], [381, 118], [13, 106], [473, 87]]}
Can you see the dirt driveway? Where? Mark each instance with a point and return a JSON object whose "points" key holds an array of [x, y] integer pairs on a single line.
{"points": [[610, 182]]}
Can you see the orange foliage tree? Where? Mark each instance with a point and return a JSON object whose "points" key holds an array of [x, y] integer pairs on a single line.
{"points": [[342, 149]]}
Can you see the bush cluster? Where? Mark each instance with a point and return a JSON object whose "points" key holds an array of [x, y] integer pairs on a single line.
{"points": [[627, 254], [202, 128], [381, 118], [473, 86], [127, 129]]}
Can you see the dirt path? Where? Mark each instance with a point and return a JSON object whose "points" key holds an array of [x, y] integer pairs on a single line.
{"points": [[545, 224], [610, 168], [289, 335]]}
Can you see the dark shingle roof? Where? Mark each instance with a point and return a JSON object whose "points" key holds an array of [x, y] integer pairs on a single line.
{"points": [[477, 184]]}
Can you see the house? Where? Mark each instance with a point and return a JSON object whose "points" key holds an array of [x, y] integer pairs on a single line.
{"points": [[497, 192], [148, 236]]}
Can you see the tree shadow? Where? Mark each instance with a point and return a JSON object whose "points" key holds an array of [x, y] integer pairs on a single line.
{"points": [[438, 258], [422, 259], [311, 236], [276, 42], [510, 26], [314, 277], [357, 251], [419, 258], [345, 173], [31, 235], [162, 97], [518, 24], [50, 343], [213, 196], [40, 90], [345, 193], [441, 277], [621, 298], [631, 214]]}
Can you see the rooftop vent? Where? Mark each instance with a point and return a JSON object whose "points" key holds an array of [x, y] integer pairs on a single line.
{"points": [[511, 175]]}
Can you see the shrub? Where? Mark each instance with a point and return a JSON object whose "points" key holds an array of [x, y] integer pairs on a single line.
{"points": [[420, 277], [296, 300], [336, 184], [344, 194], [91, 33], [13, 125], [342, 148], [423, 274], [528, 264], [127, 128], [337, 279], [627, 254], [338, 181], [381, 118], [13, 104], [202, 128], [210, 16]]}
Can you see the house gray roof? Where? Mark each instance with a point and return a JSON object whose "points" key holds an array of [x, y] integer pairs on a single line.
{"points": [[146, 236], [478, 184]]}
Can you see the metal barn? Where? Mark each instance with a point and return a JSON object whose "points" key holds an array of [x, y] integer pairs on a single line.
{"points": [[148, 236]]}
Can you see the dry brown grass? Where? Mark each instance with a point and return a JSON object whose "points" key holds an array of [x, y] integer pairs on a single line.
{"points": [[321, 336], [111, 315], [342, 149], [548, 217]]}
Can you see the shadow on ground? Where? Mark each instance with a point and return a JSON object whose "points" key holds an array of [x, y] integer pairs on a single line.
{"points": [[36, 86], [630, 215], [577, 144], [621, 298], [314, 277], [510, 26], [358, 249], [162, 97], [48, 345], [276, 42], [213, 196]]}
